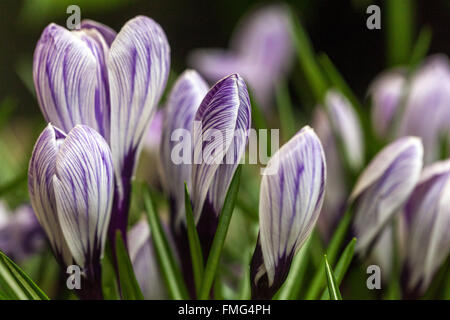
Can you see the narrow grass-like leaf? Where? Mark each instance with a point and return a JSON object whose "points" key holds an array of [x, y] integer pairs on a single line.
{"points": [[318, 281], [399, 27], [128, 283], [333, 287], [258, 118], [307, 59], [16, 283], [110, 288], [170, 270], [219, 237], [420, 47], [285, 111], [194, 242], [291, 287], [244, 292], [342, 266]]}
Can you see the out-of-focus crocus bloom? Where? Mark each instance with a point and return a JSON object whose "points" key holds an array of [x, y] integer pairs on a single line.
{"points": [[387, 92], [339, 124], [70, 181], [109, 82], [152, 139], [427, 216], [427, 110], [261, 51], [20, 232], [144, 262], [182, 104], [220, 133], [289, 205], [383, 188]]}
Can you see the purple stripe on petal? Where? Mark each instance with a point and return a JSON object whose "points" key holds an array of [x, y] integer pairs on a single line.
{"points": [[108, 34]]}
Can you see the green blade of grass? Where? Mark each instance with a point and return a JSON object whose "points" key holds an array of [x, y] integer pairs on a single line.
{"points": [[285, 111], [399, 27], [307, 59], [16, 283], [128, 283], [219, 237], [194, 242], [318, 280], [170, 270], [333, 287], [342, 266], [420, 47]]}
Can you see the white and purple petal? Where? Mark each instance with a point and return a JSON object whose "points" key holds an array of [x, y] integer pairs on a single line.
{"points": [[345, 123], [108, 34], [138, 66], [183, 102], [83, 184], [427, 215], [290, 202], [70, 77], [220, 134], [41, 170], [384, 186]]}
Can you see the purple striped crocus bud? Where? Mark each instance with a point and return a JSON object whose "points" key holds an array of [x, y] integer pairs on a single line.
{"points": [[176, 147], [70, 181], [109, 82], [427, 215], [220, 134], [289, 205], [145, 264], [261, 50], [20, 233], [338, 126], [387, 92], [427, 109], [383, 187]]}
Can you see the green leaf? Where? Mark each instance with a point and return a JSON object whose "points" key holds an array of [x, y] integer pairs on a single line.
{"points": [[258, 119], [318, 281], [219, 237], [421, 47], [110, 289], [307, 59], [399, 26], [342, 266], [244, 292], [333, 287], [285, 111], [170, 270], [291, 287], [128, 283], [16, 284], [194, 242]]}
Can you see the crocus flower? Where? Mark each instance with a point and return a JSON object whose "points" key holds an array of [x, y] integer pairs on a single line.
{"points": [[220, 134], [383, 187], [427, 110], [427, 214], [337, 125], [144, 262], [289, 205], [387, 92], [109, 82], [182, 104], [20, 232], [261, 50], [70, 181]]}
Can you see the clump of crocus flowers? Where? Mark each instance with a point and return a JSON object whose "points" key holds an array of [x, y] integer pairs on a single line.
{"points": [[99, 91]]}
